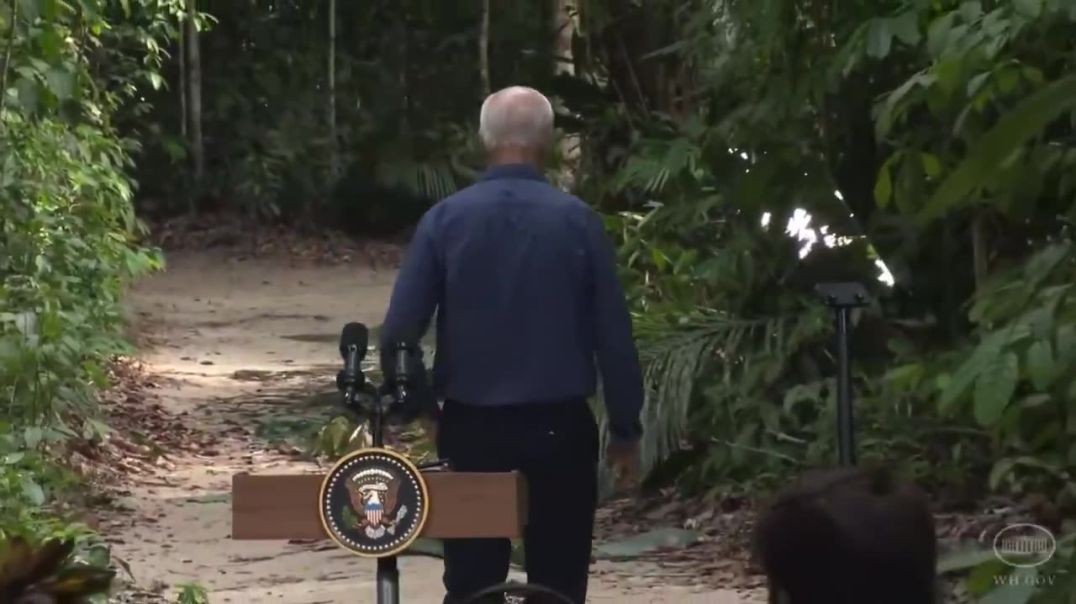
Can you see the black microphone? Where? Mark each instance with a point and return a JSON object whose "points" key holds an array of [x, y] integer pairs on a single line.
{"points": [[354, 336], [353, 342]]}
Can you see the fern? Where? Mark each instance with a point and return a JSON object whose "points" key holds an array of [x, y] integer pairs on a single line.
{"points": [[658, 163], [747, 354], [431, 179]]}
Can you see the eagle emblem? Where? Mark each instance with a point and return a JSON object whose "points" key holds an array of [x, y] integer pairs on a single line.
{"points": [[373, 494]]}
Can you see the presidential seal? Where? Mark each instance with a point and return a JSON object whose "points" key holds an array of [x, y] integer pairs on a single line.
{"points": [[374, 502]]}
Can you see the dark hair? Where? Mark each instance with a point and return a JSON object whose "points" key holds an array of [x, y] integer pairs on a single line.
{"points": [[849, 536]]}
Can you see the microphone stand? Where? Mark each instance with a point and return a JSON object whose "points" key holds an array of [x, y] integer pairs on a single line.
{"points": [[842, 298], [352, 383]]}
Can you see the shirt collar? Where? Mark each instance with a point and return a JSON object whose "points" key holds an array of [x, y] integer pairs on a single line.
{"points": [[512, 171]]}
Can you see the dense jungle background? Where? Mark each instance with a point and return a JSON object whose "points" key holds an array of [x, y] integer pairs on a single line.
{"points": [[741, 151]]}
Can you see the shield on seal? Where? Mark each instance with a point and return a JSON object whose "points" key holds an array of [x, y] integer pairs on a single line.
{"points": [[374, 510]]}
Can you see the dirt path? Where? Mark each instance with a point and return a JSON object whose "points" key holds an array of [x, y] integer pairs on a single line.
{"points": [[242, 350]]}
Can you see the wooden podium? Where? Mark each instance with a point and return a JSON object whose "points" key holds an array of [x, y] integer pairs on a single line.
{"points": [[375, 502], [462, 504]]}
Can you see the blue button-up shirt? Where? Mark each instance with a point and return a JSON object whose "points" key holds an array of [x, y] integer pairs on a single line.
{"points": [[523, 279]]}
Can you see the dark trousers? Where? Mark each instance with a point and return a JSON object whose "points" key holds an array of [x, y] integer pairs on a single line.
{"points": [[555, 446]]}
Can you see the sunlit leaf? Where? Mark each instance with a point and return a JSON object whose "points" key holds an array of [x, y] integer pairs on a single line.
{"points": [[879, 38], [906, 27], [994, 388], [883, 187], [1040, 364], [61, 83], [32, 491]]}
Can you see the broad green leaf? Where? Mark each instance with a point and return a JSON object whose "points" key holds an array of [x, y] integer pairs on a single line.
{"points": [[1028, 8], [1040, 364], [879, 38], [885, 117], [980, 360], [971, 10], [1008, 78], [938, 34], [1015, 588], [906, 27], [60, 83], [1000, 471], [883, 187], [32, 437], [1044, 261], [983, 577], [1016, 126], [931, 164], [994, 388], [976, 83], [905, 376], [32, 491], [29, 9], [948, 74]]}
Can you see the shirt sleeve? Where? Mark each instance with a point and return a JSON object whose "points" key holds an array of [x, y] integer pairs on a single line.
{"points": [[414, 296], [617, 356]]}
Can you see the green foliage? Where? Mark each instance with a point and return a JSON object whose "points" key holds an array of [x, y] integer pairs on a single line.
{"points": [[50, 571], [406, 95], [69, 245], [66, 252], [942, 128], [339, 437], [192, 593]]}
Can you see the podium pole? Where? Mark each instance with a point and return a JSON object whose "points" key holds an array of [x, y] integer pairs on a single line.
{"points": [[842, 298], [388, 573]]}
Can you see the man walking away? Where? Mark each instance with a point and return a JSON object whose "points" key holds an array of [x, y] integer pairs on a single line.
{"points": [[523, 280]]}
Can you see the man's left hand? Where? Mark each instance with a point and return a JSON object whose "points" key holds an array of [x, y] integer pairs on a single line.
{"points": [[623, 458]]}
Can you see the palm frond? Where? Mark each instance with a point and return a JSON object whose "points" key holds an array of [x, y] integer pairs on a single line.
{"points": [[432, 179], [661, 161], [673, 359]]}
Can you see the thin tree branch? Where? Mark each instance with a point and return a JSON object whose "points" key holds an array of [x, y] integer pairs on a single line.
{"points": [[14, 6], [483, 49]]}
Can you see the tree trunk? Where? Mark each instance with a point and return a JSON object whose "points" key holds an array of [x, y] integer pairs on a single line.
{"points": [[194, 101], [14, 12], [564, 64], [335, 157], [183, 115], [483, 49]]}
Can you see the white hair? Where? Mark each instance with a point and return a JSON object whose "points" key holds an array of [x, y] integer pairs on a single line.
{"points": [[516, 117]]}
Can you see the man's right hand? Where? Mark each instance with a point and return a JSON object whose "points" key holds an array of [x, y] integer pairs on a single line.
{"points": [[623, 458]]}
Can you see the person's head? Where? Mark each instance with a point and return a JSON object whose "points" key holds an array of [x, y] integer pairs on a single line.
{"points": [[848, 536], [516, 126]]}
